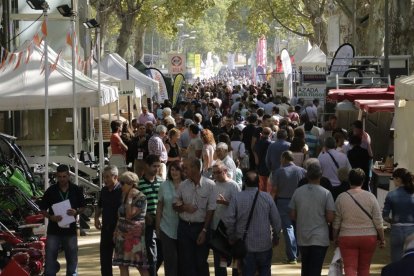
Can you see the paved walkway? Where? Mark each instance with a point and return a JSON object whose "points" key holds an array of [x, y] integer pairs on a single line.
{"points": [[89, 259]]}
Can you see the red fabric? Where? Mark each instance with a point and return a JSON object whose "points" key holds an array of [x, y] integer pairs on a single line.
{"points": [[375, 105], [361, 94], [264, 184], [14, 269], [116, 144], [357, 252]]}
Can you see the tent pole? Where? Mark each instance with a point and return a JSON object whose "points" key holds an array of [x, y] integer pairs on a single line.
{"points": [[101, 147], [75, 108], [46, 176]]}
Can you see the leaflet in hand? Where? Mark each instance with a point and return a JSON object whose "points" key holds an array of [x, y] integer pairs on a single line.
{"points": [[60, 209]]}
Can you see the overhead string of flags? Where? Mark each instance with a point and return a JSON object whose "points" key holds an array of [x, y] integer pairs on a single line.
{"points": [[16, 58]]}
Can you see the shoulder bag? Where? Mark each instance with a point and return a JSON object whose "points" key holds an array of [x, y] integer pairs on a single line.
{"points": [[366, 213], [220, 241]]}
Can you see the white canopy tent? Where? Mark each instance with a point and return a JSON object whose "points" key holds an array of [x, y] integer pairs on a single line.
{"points": [[314, 61], [302, 50], [23, 87], [403, 126], [115, 65]]}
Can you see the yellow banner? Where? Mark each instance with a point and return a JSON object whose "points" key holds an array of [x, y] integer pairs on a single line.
{"points": [[178, 82], [197, 65]]}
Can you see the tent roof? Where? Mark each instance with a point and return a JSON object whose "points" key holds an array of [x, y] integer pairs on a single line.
{"points": [[404, 88], [361, 94], [113, 64], [314, 56], [372, 106], [302, 51], [24, 87]]}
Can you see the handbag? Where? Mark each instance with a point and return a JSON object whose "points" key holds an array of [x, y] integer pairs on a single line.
{"points": [[336, 266], [239, 249], [362, 208], [245, 161]]}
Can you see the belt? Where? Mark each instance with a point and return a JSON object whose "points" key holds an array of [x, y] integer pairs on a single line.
{"points": [[191, 222]]}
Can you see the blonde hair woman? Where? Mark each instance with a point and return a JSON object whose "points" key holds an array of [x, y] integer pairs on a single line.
{"points": [[129, 233]]}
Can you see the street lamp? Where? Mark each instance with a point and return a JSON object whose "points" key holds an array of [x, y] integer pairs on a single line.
{"points": [[93, 24], [67, 11], [38, 4], [43, 5]]}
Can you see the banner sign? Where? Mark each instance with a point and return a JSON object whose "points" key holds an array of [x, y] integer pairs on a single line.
{"points": [[176, 64], [126, 87], [163, 95], [261, 52], [190, 60], [197, 63], [342, 60], [311, 92], [178, 82]]}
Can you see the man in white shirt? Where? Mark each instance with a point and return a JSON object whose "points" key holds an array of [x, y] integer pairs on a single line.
{"points": [[331, 160]]}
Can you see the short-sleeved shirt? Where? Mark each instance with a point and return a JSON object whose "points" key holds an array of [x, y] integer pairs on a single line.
{"points": [[54, 195], [150, 190], [202, 196], [109, 202], [311, 203], [169, 217], [228, 190], [286, 179]]}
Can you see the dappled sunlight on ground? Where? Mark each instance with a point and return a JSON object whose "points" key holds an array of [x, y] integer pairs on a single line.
{"points": [[89, 259]]}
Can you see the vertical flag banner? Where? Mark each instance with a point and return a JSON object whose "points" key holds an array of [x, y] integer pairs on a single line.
{"points": [[261, 52], [197, 64], [157, 75], [178, 82]]}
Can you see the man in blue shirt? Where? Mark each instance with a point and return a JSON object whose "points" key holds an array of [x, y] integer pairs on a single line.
{"points": [[259, 239], [285, 181], [110, 199], [275, 150]]}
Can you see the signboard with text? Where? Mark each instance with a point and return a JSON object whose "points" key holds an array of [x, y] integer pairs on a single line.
{"points": [[310, 92], [126, 87], [176, 64]]}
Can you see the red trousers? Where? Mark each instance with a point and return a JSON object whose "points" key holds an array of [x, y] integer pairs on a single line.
{"points": [[357, 252]]}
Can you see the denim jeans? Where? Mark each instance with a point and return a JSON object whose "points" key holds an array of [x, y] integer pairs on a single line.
{"points": [[397, 238], [70, 246], [260, 262], [170, 254], [312, 259], [154, 251], [291, 248], [193, 257]]}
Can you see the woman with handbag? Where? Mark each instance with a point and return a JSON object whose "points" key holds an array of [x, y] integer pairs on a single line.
{"points": [[357, 225], [400, 202]]}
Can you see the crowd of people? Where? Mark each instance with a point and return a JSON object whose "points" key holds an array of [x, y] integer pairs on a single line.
{"points": [[257, 164]]}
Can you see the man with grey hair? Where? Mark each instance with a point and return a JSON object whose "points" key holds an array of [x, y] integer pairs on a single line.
{"points": [[404, 266], [284, 183], [168, 119], [156, 147], [222, 152], [312, 207], [225, 189], [195, 201], [331, 160], [110, 198]]}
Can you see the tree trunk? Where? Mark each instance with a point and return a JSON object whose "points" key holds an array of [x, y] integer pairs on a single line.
{"points": [[125, 33], [401, 27], [372, 38], [139, 41]]}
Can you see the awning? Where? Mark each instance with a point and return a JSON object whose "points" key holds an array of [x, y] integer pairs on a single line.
{"points": [[372, 106], [361, 94]]}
